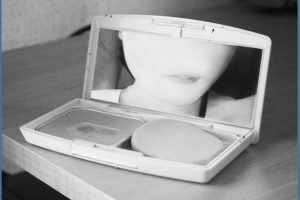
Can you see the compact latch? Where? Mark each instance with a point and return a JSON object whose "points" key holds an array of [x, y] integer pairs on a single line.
{"points": [[167, 22]]}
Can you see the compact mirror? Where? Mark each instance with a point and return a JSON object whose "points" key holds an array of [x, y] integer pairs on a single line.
{"points": [[184, 76]]}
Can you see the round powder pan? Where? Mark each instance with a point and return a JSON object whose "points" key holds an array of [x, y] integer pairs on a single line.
{"points": [[175, 140]]}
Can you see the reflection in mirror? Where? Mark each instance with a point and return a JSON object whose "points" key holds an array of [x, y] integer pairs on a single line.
{"points": [[177, 75]]}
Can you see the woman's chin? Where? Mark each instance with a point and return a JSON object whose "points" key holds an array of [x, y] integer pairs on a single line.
{"points": [[180, 101]]}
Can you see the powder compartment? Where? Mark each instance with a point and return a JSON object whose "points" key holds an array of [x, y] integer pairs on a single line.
{"points": [[175, 140], [92, 125]]}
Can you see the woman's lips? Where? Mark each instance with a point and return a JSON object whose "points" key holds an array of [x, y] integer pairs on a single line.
{"points": [[184, 79]]}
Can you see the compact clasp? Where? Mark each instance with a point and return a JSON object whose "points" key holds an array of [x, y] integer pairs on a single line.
{"points": [[179, 25], [168, 22]]}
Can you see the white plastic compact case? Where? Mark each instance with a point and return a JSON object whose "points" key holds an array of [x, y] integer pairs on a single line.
{"points": [[143, 69]]}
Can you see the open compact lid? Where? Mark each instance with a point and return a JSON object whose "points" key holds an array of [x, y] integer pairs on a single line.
{"points": [[180, 66]]}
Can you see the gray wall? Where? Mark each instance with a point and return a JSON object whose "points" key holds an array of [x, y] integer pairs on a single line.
{"points": [[37, 21]]}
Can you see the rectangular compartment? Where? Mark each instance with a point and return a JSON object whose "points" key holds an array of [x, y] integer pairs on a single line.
{"points": [[91, 125]]}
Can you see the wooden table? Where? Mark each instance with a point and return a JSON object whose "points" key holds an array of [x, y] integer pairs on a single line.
{"points": [[40, 78]]}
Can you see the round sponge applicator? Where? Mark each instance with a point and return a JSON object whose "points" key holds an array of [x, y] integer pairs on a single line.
{"points": [[176, 141]]}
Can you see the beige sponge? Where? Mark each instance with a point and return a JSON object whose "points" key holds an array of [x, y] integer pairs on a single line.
{"points": [[176, 141]]}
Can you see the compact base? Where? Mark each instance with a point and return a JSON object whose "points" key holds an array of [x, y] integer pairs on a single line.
{"points": [[72, 129]]}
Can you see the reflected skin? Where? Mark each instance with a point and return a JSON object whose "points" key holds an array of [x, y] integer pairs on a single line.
{"points": [[171, 74]]}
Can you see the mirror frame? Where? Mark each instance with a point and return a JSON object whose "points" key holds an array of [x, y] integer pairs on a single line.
{"points": [[184, 28]]}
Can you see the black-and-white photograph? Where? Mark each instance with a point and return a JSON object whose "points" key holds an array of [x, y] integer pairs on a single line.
{"points": [[149, 100]]}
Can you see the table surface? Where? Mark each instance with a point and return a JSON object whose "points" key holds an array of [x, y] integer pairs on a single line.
{"points": [[40, 78]]}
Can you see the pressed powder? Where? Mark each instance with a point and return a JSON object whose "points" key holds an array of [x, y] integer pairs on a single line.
{"points": [[92, 125], [177, 141]]}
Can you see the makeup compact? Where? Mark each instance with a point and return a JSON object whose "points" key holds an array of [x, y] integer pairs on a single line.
{"points": [[165, 96]]}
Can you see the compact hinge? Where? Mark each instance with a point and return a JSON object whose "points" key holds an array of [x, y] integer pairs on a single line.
{"points": [[244, 136]]}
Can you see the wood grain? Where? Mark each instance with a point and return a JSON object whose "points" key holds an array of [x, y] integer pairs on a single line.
{"points": [[40, 78]]}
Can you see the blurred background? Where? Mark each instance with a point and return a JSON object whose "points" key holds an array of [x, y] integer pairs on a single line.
{"points": [[36, 21], [32, 22]]}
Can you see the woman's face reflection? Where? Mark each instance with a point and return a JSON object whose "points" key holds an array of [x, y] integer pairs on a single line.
{"points": [[176, 71]]}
